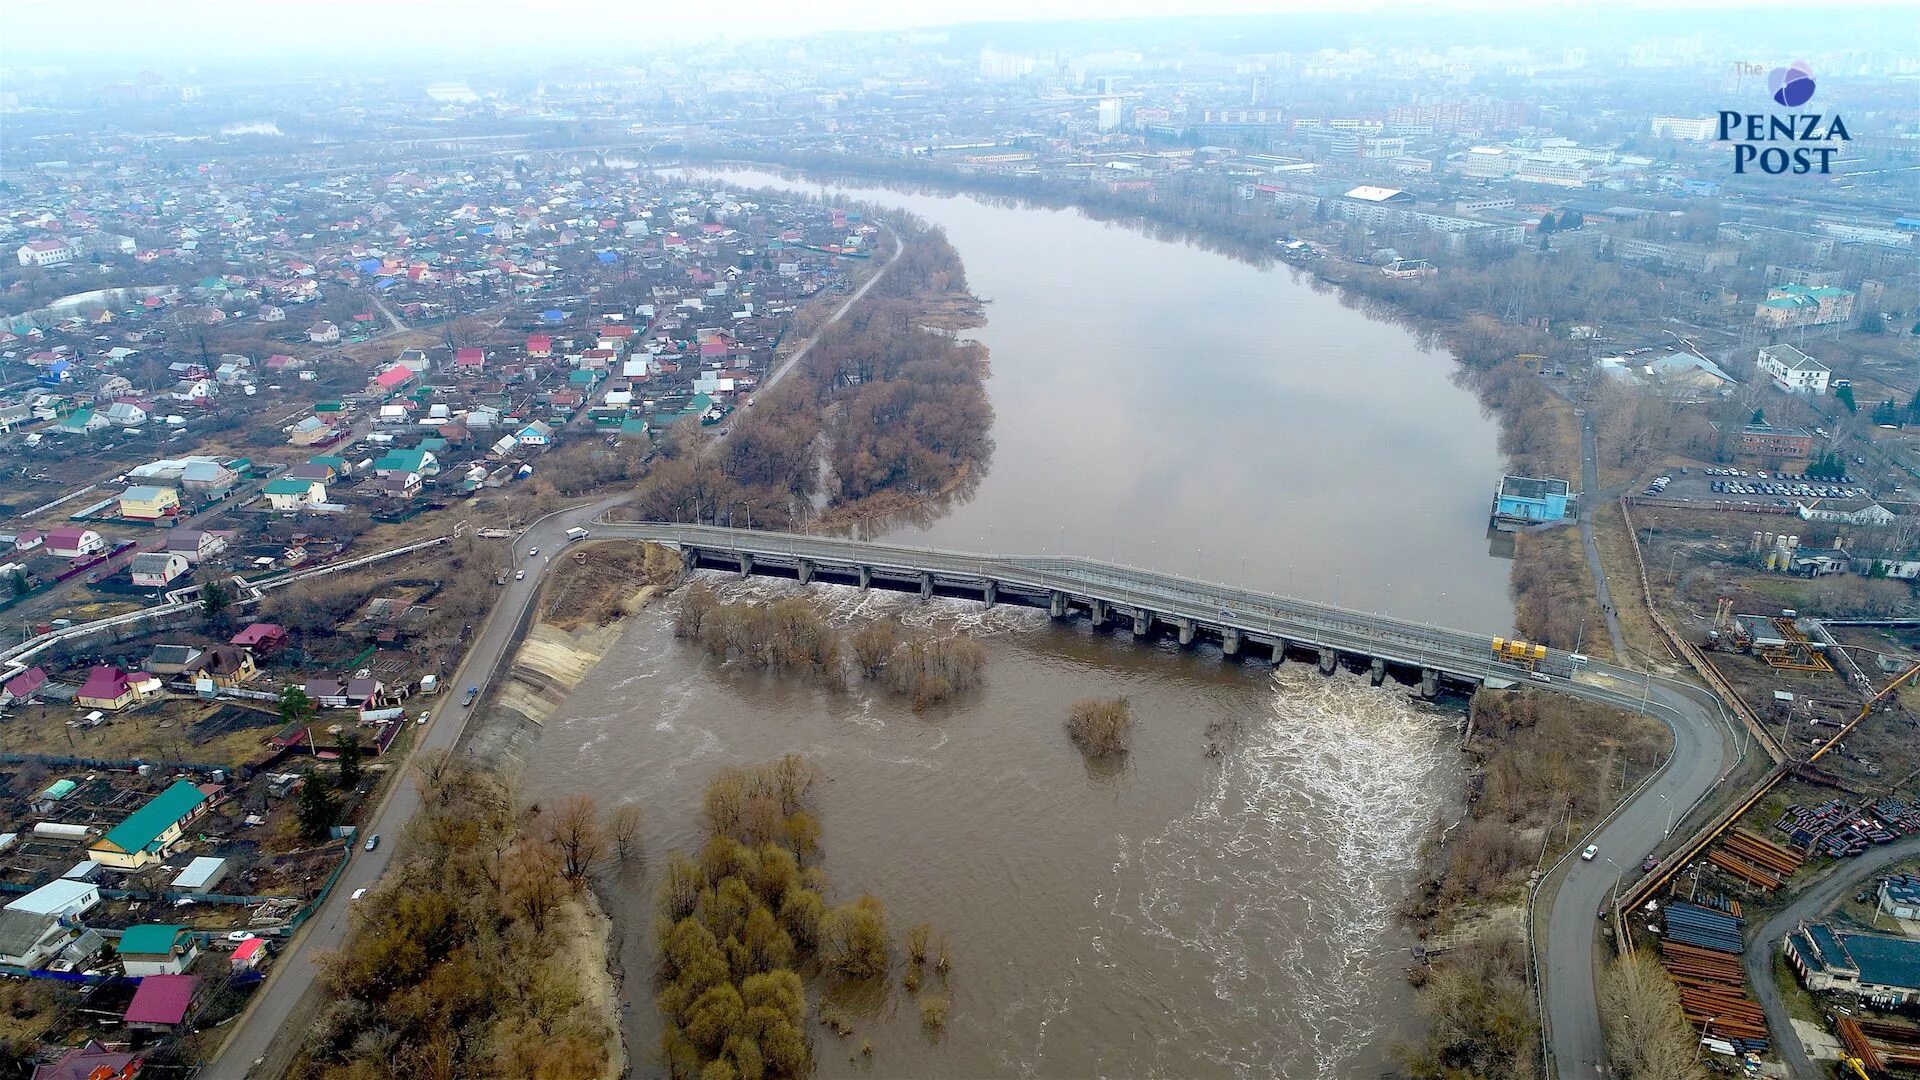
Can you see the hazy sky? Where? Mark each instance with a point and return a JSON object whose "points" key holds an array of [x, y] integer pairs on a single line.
{"points": [[181, 30]]}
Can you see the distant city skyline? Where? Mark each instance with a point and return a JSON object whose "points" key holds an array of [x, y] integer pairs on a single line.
{"points": [[180, 32]]}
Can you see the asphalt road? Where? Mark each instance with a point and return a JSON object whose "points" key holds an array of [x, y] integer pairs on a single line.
{"points": [[1703, 751], [1823, 894], [1590, 494], [259, 1036]]}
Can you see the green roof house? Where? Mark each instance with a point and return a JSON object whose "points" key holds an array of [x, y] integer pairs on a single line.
{"points": [[141, 839], [157, 949]]}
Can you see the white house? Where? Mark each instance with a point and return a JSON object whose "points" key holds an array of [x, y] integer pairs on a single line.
{"points": [[323, 333], [286, 493], [157, 569], [64, 898], [44, 253], [1793, 370], [538, 433]]}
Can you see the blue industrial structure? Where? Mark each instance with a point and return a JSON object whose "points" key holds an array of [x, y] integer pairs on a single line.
{"points": [[1526, 500]]}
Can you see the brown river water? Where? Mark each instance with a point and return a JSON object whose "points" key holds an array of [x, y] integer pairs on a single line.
{"points": [[1186, 916]]}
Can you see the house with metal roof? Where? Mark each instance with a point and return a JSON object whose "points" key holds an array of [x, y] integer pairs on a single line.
{"points": [[1877, 966], [142, 838], [61, 897], [161, 1002], [157, 949]]}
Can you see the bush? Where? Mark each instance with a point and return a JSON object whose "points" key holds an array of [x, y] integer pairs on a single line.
{"points": [[931, 670], [854, 940], [1101, 728]]}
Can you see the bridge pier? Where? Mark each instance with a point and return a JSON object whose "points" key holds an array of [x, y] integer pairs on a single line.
{"points": [[689, 558], [1378, 674], [1185, 628], [1279, 651], [866, 578], [1429, 683], [1329, 661], [926, 586], [1097, 612], [1057, 604], [991, 594], [746, 564], [1229, 642], [803, 568], [1142, 622]]}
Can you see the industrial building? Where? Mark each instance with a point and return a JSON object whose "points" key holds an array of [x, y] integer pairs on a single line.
{"points": [[1526, 500], [1876, 966]]}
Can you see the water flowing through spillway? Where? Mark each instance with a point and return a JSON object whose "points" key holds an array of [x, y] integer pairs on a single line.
{"points": [[1181, 915]]}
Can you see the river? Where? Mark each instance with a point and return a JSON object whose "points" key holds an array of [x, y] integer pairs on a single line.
{"points": [[1187, 915]]}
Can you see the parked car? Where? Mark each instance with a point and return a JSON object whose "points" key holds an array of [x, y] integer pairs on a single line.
{"points": [[357, 894], [240, 935]]}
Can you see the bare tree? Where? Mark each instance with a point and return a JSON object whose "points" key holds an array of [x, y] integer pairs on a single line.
{"points": [[623, 827], [574, 831]]}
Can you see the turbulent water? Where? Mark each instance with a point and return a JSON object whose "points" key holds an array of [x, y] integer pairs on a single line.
{"points": [[1185, 915]]}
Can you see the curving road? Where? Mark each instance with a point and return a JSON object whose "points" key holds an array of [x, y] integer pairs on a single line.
{"points": [[1812, 901], [259, 1047]]}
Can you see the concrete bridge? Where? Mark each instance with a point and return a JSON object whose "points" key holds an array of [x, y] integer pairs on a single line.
{"points": [[1240, 622]]}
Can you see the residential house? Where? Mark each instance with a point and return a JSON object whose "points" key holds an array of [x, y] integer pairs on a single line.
{"points": [[290, 495], [74, 543], [539, 346], [1804, 305], [108, 687], [400, 485], [24, 686], [28, 940], [83, 422], [128, 414], [94, 1061], [470, 360], [261, 638], [392, 380], [146, 503], [143, 837], [313, 431], [1793, 370], [157, 569], [323, 333], [537, 433], [196, 545], [405, 461], [161, 1003], [176, 659], [229, 666], [326, 693]]}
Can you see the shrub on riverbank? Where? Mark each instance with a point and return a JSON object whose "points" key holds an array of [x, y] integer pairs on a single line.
{"points": [[930, 670], [1479, 1016], [1101, 728], [787, 635]]}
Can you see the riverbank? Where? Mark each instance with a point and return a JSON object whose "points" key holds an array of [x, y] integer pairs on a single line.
{"points": [[1543, 770], [1539, 429]]}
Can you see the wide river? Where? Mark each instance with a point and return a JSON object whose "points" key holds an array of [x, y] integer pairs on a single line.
{"points": [[1188, 915]]}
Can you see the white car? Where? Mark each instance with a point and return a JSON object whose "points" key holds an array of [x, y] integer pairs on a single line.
{"points": [[357, 894], [241, 935], [531, 552], [521, 576], [1585, 856]]}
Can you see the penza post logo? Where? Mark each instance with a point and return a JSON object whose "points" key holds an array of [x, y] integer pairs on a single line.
{"points": [[1810, 139]]}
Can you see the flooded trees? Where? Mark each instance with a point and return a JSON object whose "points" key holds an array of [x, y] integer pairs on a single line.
{"points": [[853, 939], [1101, 728]]}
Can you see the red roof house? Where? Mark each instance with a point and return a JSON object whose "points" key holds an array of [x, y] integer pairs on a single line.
{"points": [[393, 378], [26, 684], [91, 1062], [161, 1002], [261, 637], [539, 346], [107, 687], [470, 359]]}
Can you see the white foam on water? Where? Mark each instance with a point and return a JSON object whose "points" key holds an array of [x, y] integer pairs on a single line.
{"points": [[1278, 889], [845, 605]]}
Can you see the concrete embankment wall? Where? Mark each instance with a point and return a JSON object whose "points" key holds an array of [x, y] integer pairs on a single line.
{"points": [[548, 663]]}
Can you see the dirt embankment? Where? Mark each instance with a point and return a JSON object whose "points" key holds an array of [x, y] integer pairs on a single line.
{"points": [[581, 612]]}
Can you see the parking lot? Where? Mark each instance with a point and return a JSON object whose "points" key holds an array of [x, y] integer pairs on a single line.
{"points": [[1750, 489]]}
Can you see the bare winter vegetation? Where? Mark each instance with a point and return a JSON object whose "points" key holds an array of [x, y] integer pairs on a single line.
{"points": [[1545, 766], [1648, 1036], [794, 635], [1101, 727], [467, 960]]}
